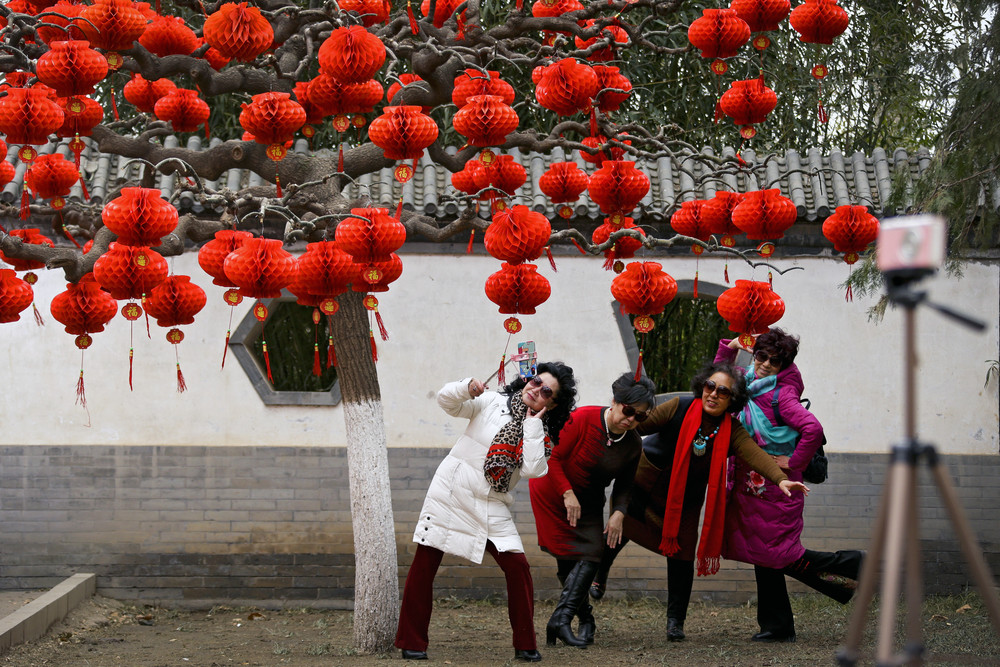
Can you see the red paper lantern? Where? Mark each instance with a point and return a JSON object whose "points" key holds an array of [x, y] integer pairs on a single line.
{"points": [[474, 178], [212, 256], [33, 236], [517, 290], [819, 21], [112, 25], [750, 308], [517, 234], [336, 98], [567, 87], [7, 173], [618, 187], [168, 36], [643, 289], [51, 177], [761, 15], [764, 215], [84, 308], [128, 272], [145, 94], [718, 33], [370, 235], [175, 301], [748, 103], [71, 68], [613, 88], [727, 201], [15, 296], [183, 109], [608, 151], [28, 116], [623, 248], [351, 54], [850, 229], [473, 82], [324, 271], [139, 216], [390, 270], [405, 79], [261, 268], [617, 34], [314, 113], [563, 183], [403, 133], [485, 120], [213, 56], [63, 14], [443, 10], [370, 11], [273, 119], [80, 116], [238, 32], [506, 176], [697, 219], [551, 8]]}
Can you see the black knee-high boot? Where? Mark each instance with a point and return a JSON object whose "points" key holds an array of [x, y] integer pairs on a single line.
{"points": [[573, 594], [680, 578], [588, 624]]}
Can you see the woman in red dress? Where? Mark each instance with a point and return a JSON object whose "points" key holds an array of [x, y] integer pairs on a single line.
{"points": [[597, 447]]}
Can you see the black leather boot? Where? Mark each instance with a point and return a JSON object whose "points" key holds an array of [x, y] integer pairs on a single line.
{"points": [[573, 594], [675, 630], [588, 625]]}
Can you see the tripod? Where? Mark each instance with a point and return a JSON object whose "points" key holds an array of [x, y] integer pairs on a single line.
{"points": [[896, 526]]}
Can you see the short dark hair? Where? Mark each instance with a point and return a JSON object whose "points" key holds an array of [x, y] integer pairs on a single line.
{"points": [[778, 343], [740, 395], [626, 389], [565, 399]]}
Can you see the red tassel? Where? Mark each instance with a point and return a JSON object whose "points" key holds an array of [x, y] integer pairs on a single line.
{"points": [[267, 362], [208, 133], [413, 20], [638, 367], [70, 236], [823, 115], [582, 251], [317, 368], [83, 188], [371, 339], [594, 130], [552, 261], [38, 316], [770, 280], [472, 237], [130, 355], [157, 6], [726, 274], [331, 354], [850, 293], [520, 5], [146, 313], [114, 104], [24, 202], [381, 326], [501, 373], [399, 209], [181, 384], [461, 26], [718, 112], [609, 263], [226, 348], [696, 284], [81, 394], [340, 160], [277, 181]]}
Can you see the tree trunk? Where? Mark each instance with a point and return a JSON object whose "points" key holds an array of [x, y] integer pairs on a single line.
{"points": [[376, 583]]}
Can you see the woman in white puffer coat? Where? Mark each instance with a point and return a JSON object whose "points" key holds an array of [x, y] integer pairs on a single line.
{"points": [[467, 509]]}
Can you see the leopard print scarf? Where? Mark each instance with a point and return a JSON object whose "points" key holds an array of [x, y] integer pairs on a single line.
{"points": [[505, 454]]}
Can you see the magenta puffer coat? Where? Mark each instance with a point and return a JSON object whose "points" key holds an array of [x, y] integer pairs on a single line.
{"points": [[763, 525]]}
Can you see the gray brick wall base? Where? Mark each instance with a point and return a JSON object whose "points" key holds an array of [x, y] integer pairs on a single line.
{"points": [[271, 526]]}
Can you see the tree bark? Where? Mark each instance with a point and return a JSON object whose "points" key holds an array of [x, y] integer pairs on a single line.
{"points": [[376, 583]]}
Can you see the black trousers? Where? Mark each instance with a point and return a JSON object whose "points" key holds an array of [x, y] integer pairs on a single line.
{"points": [[774, 609]]}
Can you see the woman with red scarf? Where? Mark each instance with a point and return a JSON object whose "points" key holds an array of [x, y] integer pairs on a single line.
{"points": [[682, 468]]}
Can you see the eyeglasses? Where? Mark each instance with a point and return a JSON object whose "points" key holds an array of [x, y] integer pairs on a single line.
{"points": [[722, 390], [545, 391], [763, 357], [629, 411]]}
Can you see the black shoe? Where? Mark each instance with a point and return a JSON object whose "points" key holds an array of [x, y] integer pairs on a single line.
{"points": [[773, 637], [588, 625], [414, 655], [527, 655], [596, 591], [675, 630]]}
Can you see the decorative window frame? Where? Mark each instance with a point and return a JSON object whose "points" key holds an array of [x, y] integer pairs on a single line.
{"points": [[241, 341]]}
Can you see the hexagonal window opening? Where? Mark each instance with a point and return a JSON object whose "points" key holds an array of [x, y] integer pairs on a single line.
{"points": [[292, 338]]}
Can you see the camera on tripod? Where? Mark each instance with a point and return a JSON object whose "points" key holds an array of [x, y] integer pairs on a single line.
{"points": [[910, 248]]}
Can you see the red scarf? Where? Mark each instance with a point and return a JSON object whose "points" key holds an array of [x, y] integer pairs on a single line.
{"points": [[710, 544]]}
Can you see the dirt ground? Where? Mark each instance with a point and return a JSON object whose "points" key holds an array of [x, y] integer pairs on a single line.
{"points": [[103, 632]]}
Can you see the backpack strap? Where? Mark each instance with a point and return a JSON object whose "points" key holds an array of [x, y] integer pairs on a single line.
{"points": [[778, 421]]}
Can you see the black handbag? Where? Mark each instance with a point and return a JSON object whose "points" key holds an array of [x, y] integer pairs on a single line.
{"points": [[816, 472]]}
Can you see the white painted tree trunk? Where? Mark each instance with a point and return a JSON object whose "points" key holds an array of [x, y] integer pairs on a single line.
{"points": [[376, 583]]}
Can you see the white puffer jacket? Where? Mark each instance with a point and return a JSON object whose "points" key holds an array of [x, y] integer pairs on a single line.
{"points": [[461, 511]]}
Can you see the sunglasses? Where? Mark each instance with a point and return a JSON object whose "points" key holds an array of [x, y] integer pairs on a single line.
{"points": [[763, 357], [545, 391], [722, 390], [629, 411]]}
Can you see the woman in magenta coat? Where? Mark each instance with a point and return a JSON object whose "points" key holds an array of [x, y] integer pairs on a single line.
{"points": [[763, 525]]}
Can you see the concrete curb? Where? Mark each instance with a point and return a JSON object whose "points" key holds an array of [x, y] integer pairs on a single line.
{"points": [[35, 618]]}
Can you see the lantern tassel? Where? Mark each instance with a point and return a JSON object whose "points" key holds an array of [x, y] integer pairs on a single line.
{"points": [[609, 261], [770, 280], [726, 273], [331, 354], [552, 261], [460, 21], [317, 368], [381, 325], [849, 296], [24, 203], [399, 209], [472, 238], [638, 367], [520, 5], [413, 19], [131, 354], [38, 316], [340, 159], [371, 340], [582, 251], [83, 186], [277, 181], [501, 375], [181, 384], [81, 393], [226, 348], [696, 283], [267, 362]]}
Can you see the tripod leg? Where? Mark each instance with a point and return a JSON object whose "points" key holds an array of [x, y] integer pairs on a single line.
{"points": [[901, 486], [970, 548], [914, 649], [849, 652]]}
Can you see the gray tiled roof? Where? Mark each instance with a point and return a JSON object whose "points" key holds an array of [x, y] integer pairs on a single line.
{"points": [[817, 183]]}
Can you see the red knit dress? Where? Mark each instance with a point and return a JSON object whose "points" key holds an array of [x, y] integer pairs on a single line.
{"points": [[585, 462]]}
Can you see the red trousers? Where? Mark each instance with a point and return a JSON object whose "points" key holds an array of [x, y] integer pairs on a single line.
{"points": [[418, 598]]}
